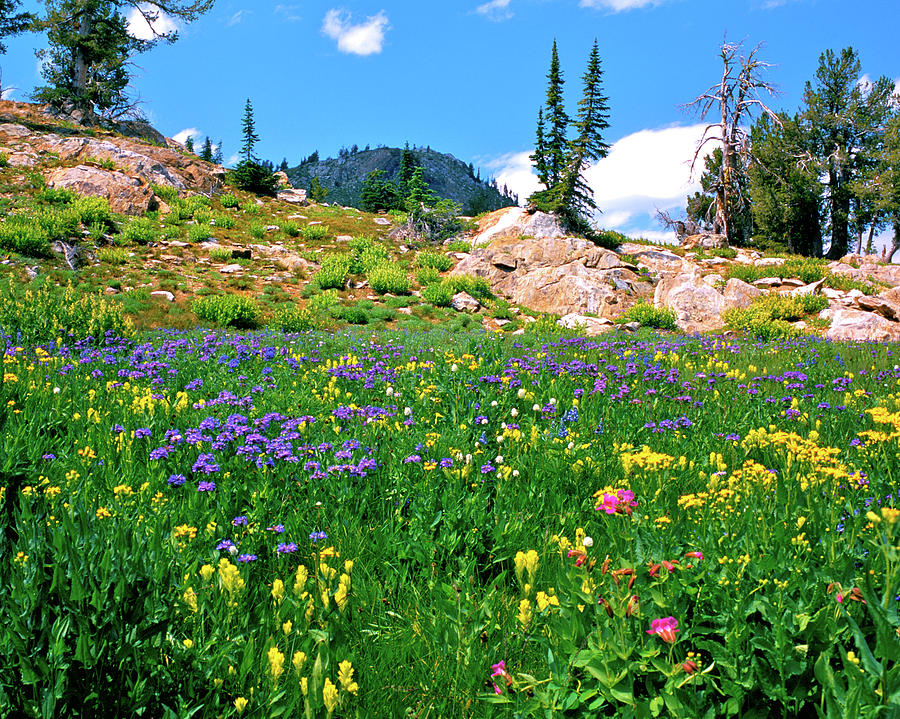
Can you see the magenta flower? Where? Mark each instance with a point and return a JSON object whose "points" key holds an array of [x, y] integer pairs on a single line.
{"points": [[664, 628]]}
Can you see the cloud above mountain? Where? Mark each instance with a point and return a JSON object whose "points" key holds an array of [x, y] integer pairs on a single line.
{"points": [[364, 38]]}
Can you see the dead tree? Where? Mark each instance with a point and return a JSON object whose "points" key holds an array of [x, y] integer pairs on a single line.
{"points": [[736, 97]]}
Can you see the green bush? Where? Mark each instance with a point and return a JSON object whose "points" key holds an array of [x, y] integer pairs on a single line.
{"points": [[226, 222], [113, 255], [139, 230], [166, 193], [291, 229], [477, 287], [59, 223], [439, 294], [769, 317], [459, 246], [334, 271], [388, 278], [230, 201], [219, 254], [92, 210], [323, 300], [428, 276], [253, 177], [198, 233], [202, 216], [19, 234], [437, 260], [845, 284], [355, 315], [315, 233], [610, 239], [257, 231], [251, 208], [807, 269], [55, 196], [292, 319], [41, 312], [647, 315], [227, 310], [367, 254], [4, 160]]}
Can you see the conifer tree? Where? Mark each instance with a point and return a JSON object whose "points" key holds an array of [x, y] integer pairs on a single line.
{"points": [[12, 22], [217, 156], [207, 152], [539, 158], [417, 190], [189, 143], [407, 167], [248, 131], [556, 143], [316, 192]]}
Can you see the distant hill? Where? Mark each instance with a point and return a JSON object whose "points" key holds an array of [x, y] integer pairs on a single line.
{"points": [[447, 176]]}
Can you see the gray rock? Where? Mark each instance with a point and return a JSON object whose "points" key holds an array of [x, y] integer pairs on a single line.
{"points": [[230, 269], [464, 302], [768, 282], [163, 295]]}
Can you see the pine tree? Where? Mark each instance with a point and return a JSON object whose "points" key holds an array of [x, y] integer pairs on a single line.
{"points": [[11, 21], [379, 193], [248, 131], [189, 143], [407, 167], [556, 142], [539, 158], [316, 192], [207, 152], [284, 165], [588, 146], [87, 63], [417, 191], [217, 156]]}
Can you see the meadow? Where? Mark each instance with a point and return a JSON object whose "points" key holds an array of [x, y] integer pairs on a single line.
{"points": [[434, 524]]}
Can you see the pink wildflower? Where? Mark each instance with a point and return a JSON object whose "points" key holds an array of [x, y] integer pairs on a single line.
{"points": [[664, 628]]}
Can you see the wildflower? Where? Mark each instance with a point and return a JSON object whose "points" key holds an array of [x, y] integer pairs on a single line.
{"points": [[343, 591], [286, 548], [247, 558], [304, 685], [316, 536], [499, 670], [276, 663], [545, 600], [277, 590], [587, 542], [206, 487], [664, 628], [103, 512], [190, 598], [240, 704], [206, 571], [525, 614], [852, 658], [231, 577], [606, 605], [695, 555], [632, 606], [300, 579], [298, 661], [287, 627], [345, 677], [240, 521], [689, 666], [329, 695], [188, 643]]}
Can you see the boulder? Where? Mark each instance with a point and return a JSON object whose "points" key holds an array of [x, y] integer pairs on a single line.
{"points": [[588, 326], [464, 302], [126, 195], [231, 269], [516, 222], [705, 242], [282, 181], [847, 324], [768, 282], [740, 294], [770, 262], [163, 295], [697, 306], [810, 289], [294, 196], [880, 305]]}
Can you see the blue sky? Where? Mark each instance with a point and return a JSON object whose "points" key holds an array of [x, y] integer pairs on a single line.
{"points": [[467, 76]]}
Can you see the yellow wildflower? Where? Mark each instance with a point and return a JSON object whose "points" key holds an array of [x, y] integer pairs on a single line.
{"points": [[525, 614], [276, 663], [206, 571], [103, 512], [190, 598], [300, 579], [240, 704], [304, 686], [277, 591], [330, 695], [343, 591], [287, 627], [230, 575], [345, 677], [298, 661], [188, 643]]}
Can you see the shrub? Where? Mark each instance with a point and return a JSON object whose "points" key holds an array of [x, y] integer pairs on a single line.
{"points": [[19, 234], [315, 233], [610, 238], [92, 210], [59, 223], [293, 319], [230, 201], [769, 317], [647, 315], [477, 287], [166, 193], [334, 271], [253, 177], [438, 223], [427, 276], [55, 196], [459, 246], [219, 254], [439, 294], [437, 260], [139, 230], [251, 208], [113, 255], [227, 310], [291, 229], [388, 278], [202, 216], [367, 254], [257, 231], [845, 284], [4, 160], [226, 222], [198, 233], [355, 315], [43, 312], [323, 300]]}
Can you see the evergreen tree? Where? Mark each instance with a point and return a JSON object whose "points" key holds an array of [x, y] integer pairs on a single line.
{"points": [[539, 158], [217, 156], [207, 152], [87, 63], [702, 206], [12, 22], [284, 165], [248, 132], [417, 191], [556, 144], [189, 143], [407, 167], [379, 193], [316, 192]]}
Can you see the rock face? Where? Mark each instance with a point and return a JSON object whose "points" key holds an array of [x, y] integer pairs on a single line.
{"points": [[563, 275], [858, 325], [740, 294], [295, 197], [697, 306], [126, 195], [464, 302], [588, 326], [704, 242]]}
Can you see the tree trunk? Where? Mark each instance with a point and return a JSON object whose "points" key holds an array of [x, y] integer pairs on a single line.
{"points": [[840, 213], [80, 65], [895, 245], [869, 249]]}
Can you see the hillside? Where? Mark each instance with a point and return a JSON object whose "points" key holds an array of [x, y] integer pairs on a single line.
{"points": [[447, 176]]}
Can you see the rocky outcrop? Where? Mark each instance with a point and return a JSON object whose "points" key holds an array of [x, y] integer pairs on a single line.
{"points": [[588, 326], [697, 306], [847, 324], [562, 275], [126, 195], [704, 242], [740, 294]]}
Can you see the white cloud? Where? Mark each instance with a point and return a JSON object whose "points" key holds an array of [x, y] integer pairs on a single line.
{"points": [[644, 172], [186, 133], [7, 93], [496, 10], [366, 38], [289, 12], [239, 16], [232, 160], [141, 29], [618, 5]]}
